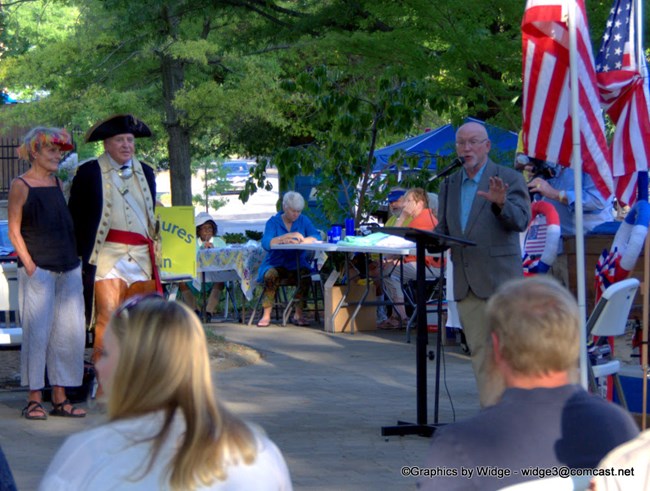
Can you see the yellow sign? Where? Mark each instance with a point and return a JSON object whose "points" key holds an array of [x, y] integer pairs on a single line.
{"points": [[178, 235]]}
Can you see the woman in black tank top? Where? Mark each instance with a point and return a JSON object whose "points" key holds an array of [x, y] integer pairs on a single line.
{"points": [[49, 277]]}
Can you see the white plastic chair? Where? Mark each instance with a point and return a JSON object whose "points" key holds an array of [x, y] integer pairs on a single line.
{"points": [[11, 334], [609, 318]]}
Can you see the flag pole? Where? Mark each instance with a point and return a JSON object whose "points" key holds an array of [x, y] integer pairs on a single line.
{"points": [[576, 163], [640, 63], [644, 333]]}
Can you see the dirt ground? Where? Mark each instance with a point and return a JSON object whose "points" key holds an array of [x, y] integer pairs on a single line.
{"points": [[224, 355]]}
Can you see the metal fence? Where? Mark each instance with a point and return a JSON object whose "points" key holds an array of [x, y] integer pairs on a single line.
{"points": [[10, 165]]}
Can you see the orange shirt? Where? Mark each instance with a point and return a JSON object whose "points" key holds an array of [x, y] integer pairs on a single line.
{"points": [[424, 221]]}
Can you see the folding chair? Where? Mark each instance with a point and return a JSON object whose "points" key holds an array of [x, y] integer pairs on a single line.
{"points": [[171, 283], [609, 318], [285, 301], [432, 288]]}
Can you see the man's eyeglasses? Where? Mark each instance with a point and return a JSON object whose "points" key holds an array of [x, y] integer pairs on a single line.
{"points": [[471, 143], [135, 300]]}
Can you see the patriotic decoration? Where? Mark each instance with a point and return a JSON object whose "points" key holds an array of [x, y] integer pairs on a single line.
{"points": [[622, 78], [546, 91], [626, 248], [606, 271], [542, 239]]}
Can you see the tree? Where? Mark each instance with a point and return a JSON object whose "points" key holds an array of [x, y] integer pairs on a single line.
{"points": [[157, 59], [214, 181], [206, 74], [349, 121]]}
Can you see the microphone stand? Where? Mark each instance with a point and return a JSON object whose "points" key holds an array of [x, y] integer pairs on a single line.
{"points": [[434, 242], [440, 299]]}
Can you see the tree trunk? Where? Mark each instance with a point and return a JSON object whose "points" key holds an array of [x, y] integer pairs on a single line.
{"points": [[178, 144]]}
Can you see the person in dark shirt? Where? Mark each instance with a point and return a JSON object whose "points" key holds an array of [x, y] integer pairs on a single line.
{"points": [[49, 276], [543, 421]]}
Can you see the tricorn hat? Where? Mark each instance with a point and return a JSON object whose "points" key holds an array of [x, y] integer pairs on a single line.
{"points": [[117, 125]]}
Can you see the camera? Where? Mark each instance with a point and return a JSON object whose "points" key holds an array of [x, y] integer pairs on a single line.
{"points": [[540, 168]]}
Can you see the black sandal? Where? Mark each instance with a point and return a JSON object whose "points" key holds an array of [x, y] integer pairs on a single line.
{"points": [[59, 410], [31, 411]]}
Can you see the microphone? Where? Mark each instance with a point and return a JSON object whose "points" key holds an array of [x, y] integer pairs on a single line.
{"points": [[457, 162]]}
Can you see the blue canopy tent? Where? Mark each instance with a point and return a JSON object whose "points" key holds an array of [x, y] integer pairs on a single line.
{"points": [[438, 143], [441, 143]]}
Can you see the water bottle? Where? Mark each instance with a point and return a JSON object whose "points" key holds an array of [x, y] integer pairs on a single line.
{"points": [[349, 226]]}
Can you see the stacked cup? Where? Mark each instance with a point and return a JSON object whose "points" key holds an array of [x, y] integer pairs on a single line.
{"points": [[334, 235]]}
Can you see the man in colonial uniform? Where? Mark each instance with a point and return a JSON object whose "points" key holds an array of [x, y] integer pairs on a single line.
{"points": [[112, 202]]}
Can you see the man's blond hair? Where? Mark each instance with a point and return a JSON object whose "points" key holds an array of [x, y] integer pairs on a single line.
{"points": [[537, 323]]}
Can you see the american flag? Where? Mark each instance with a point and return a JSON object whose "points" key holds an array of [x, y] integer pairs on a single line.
{"points": [[536, 237], [546, 93], [623, 82]]}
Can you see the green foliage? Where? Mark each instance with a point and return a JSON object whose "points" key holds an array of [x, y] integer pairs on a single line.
{"points": [[214, 184], [254, 235], [312, 86], [32, 25], [234, 238], [349, 116], [238, 238]]}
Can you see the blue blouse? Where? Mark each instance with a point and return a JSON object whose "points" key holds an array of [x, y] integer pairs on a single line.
{"points": [[285, 258]]}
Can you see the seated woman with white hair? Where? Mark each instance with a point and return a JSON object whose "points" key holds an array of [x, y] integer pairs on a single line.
{"points": [[287, 227]]}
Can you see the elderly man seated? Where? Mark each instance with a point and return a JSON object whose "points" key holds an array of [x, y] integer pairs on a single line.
{"points": [[543, 420], [418, 215]]}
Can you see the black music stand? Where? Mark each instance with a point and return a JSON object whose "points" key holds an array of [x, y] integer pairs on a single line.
{"points": [[434, 243]]}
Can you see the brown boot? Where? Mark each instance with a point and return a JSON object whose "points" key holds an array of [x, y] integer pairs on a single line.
{"points": [[109, 294], [141, 288]]}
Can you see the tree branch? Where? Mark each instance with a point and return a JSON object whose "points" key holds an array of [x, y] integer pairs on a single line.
{"points": [[276, 8], [16, 2], [270, 49], [118, 65]]}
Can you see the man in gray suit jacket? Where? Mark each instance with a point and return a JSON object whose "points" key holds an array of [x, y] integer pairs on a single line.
{"points": [[488, 204]]}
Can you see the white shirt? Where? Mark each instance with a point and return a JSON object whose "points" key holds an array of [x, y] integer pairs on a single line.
{"points": [[112, 456]]}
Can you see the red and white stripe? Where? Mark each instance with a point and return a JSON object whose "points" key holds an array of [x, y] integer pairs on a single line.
{"points": [[625, 96], [546, 92]]}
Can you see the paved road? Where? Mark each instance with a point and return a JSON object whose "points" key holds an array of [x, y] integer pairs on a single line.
{"points": [[235, 216], [322, 398]]}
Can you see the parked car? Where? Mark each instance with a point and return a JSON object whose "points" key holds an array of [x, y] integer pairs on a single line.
{"points": [[237, 173]]}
